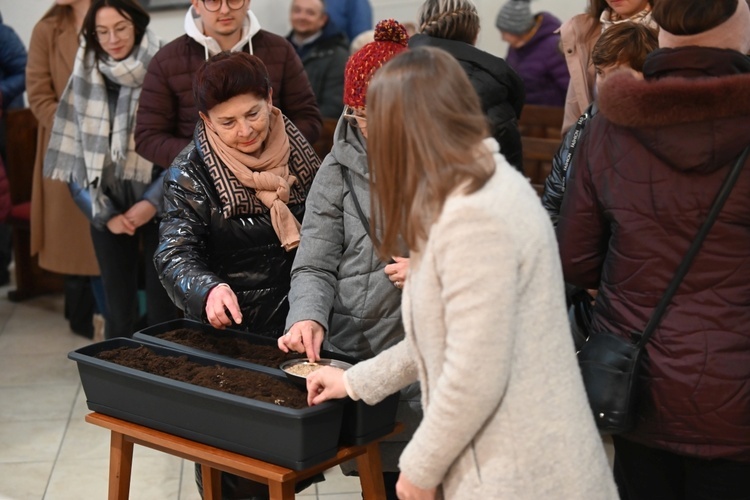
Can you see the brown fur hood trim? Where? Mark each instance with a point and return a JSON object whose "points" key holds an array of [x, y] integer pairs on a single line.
{"points": [[630, 102]]}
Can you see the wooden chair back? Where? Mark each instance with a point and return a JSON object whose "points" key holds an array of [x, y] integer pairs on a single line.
{"points": [[21, 152], [541, 121], [325, 142], [537, 159], [540, 135], [31, 280]]}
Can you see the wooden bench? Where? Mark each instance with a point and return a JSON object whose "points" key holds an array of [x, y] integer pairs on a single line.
{"points": [[540, 135], [537, 159], [324, 144], [21, 136], [280, 480]]}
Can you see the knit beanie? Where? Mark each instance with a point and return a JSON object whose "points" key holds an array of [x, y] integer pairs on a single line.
{"points": [[390, 39], [515, 17], [734, 34]]}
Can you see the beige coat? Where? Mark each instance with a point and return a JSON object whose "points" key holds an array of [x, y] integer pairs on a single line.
{"points": [[577, 38], [487, 336], [60, 233]]}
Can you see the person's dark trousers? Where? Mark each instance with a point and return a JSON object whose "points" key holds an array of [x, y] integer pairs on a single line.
{"points": [[390, 479], [238, 488], [119, 257], [653, 474], [6, 253], [79, 304]]}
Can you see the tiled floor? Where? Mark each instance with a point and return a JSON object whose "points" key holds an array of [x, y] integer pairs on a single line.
{"points": [[47, 451]]}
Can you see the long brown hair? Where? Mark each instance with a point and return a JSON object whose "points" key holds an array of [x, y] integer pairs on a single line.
{"points": [[424, 141]]}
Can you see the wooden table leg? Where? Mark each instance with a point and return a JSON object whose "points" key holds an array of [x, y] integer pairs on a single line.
{"points": [[281, 490], [120, 465], [211, 482], [371, 473]]}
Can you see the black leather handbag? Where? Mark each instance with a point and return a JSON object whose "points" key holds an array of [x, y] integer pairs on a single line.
{"points": [[610, 363]]}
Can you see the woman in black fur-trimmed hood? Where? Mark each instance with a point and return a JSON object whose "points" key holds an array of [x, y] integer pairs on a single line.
{"points": [[645, 175]]}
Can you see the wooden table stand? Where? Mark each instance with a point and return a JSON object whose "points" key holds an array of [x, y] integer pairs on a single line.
{"points": [[280, 480]]}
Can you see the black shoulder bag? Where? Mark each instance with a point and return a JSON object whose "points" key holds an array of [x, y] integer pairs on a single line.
{"points": [[610, 363]]}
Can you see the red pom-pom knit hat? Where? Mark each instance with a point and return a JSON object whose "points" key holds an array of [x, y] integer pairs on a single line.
{"points": [[390, 39]]}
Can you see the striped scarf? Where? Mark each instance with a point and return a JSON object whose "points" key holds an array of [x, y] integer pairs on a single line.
{"points": [[80, 145]]}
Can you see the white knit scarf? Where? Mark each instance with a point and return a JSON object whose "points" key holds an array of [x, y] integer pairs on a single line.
{"points": [[610, 18], [80, 145]]}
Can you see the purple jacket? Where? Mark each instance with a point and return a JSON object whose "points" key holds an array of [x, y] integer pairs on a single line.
{"points": [[541, 65]]}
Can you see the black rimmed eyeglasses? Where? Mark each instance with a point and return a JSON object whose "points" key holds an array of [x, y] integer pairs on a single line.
{"points": [[353, 118], [215, 5]]}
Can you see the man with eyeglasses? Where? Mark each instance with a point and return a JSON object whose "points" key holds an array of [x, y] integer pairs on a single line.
{"points": [[324, 50], [167, 113]]}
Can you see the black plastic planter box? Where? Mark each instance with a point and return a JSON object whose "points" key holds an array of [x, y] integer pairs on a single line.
{"points": [[361, 424], [293, 438]]}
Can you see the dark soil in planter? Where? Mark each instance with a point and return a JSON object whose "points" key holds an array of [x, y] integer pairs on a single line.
{"points": [[233, 347], [246, 383]]}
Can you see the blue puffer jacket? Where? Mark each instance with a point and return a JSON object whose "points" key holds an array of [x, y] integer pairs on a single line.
{"points": [[12, 67]]}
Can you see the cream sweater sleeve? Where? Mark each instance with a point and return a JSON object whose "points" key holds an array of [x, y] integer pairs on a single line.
{"points": [[379, 377]]}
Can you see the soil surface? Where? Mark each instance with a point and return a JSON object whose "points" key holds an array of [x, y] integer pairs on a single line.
{"points": [[238, 381], [233, 347]]}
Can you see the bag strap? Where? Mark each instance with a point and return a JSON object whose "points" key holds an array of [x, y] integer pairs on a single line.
{"points": [[682, 270], [574, 138], [362, 218]]}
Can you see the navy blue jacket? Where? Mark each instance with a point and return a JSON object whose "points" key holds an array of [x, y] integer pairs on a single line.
{"points": [[12, 67]]}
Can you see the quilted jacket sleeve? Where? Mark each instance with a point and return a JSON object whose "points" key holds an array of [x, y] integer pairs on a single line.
{"points": [[315, 269], [582, 230], [157, 120]]}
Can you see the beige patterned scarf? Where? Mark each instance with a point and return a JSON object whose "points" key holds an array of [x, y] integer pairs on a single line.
{"points": [[268, 174]]}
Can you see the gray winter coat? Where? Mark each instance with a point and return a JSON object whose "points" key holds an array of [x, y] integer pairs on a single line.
{"points": [[338, 279]]}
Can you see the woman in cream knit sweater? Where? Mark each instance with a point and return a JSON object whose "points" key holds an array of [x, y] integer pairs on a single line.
{"points": [[505, 411]]}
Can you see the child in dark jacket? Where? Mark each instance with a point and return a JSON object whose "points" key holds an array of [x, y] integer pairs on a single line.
{"points": [[622, 47]]}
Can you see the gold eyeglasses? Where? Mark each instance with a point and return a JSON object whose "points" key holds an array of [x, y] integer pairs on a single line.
{"points": [[122, 31], [353, 118], [215, 5]]}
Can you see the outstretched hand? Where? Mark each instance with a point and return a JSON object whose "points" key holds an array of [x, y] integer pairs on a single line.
{"points": [[221, 299], [406, 490], [304, 336], [324, 384]]}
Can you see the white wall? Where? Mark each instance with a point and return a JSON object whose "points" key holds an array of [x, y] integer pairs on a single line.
{"points": [[22, 15]]}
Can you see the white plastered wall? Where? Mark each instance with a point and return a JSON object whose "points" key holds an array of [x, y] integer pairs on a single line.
{"points": [[21, 15]]}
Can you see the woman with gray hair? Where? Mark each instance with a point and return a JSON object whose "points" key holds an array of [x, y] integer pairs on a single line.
{"points": [[453, 25]]}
